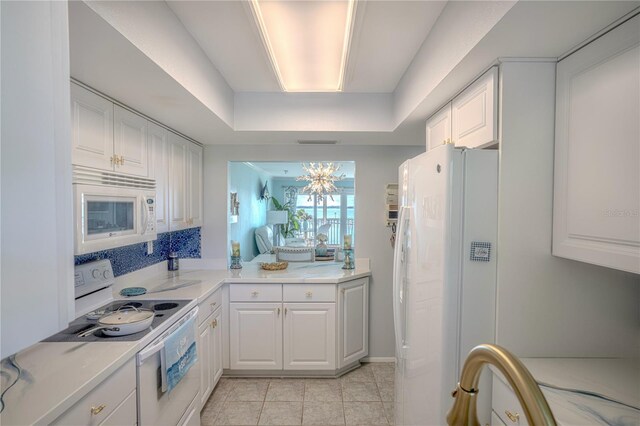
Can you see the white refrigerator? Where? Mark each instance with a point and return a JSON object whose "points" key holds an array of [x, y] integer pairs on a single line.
{"points": [[444, 283]]}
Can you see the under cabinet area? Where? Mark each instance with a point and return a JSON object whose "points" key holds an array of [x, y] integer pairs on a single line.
{"points": [[470, 120], [596, 205], [298, 327]]}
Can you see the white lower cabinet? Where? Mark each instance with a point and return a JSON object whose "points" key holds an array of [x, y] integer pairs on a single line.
{"points": [[205, 357], [353, 321], [255, 336], [112, 402], [216, 346], [309, 336]]}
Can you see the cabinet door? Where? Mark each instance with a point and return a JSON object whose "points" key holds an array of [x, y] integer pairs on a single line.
{"points": [[177, 182], [130, 142], [216, 347], [474, 113], [255, 336], [353, 325], [159, 170], [309, 336], [597, 178], [438, 130], [92, 129], [194, 185], [205, 341]]}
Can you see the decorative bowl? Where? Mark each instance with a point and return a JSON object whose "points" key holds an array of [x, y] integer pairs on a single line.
{"points": [[274, 266]]}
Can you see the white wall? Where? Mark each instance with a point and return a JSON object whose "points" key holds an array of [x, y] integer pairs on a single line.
{"points": [[247, 182], [375, 167], [37, 252], [548, 306]]}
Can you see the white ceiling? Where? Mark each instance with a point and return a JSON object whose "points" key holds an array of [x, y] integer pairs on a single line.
{"points": [[200, 67], [386, 37], [293, 170]]}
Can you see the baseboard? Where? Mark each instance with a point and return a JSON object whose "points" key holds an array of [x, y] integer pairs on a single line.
{"points": [[379, 359]]}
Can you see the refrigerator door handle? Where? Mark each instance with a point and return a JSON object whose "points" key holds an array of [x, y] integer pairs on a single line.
{"points": [[399, 279]]}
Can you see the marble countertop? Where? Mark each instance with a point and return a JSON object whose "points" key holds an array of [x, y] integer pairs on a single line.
{"points": [[57, 375], [589, 390]]}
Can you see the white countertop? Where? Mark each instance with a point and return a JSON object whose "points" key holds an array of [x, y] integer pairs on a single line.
{"points": [[57, 375], [589, 390]]}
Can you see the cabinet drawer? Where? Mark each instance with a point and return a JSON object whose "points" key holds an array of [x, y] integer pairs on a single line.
{"points": [[255, 292], [506, 405], [124, 414], [209, 305], [309, 292], [107, 395]]}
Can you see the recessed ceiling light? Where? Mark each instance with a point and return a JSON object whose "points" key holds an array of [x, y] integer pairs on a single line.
{"points": [[307, 41]]}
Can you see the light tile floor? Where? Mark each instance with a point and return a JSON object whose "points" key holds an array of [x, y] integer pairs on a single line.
{"points": [[363, 397]]}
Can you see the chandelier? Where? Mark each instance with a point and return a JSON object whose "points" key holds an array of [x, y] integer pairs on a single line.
{"points": [[321, 178]]}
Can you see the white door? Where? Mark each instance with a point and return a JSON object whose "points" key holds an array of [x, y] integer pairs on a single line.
{"points": [[255, 336], [353, 308], [177, 182], [194, 193], [438, 130], [159, 170], [130, 142], [474, 113], [216, 347], [205, 357], [309, 336], [92, 129], [597, 174]]}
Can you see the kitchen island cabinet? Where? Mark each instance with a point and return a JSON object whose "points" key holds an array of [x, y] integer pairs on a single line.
{"points": [[295, 327]]}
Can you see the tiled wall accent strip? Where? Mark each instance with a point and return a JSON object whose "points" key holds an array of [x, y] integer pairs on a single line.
{"points": [[185, 243]]}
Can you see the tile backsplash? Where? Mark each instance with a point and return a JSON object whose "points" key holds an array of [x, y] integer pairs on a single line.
{"points": [[185, 243]]}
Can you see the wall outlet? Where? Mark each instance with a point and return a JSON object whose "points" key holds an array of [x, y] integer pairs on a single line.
{"points": [[150, 247]]}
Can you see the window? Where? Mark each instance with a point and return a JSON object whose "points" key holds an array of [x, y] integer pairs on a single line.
{"points": [[338, 214]]}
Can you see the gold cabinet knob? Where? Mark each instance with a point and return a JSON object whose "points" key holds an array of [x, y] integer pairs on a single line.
{"points": [[285, 311], [96, 410], [214, 323], [122, 160], [254, 293], [513, 417], [278, 311], [214, 304], [309, 293]]}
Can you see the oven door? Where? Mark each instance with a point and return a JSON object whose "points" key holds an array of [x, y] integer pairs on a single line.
{"points": [[109, 217], [156, 407]]}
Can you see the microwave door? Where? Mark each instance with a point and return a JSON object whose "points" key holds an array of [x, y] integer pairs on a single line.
{"points": [[109, 216]]}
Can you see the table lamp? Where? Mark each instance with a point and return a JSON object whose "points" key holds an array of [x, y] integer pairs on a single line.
{"points": [[274, 218]]}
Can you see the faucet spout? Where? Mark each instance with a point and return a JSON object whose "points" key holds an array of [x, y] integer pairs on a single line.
{"points": [[534, 404]]}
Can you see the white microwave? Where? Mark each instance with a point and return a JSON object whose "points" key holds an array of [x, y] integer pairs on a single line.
{"points": [[112, 210]]}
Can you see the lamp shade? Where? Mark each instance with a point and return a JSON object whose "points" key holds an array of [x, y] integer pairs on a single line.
{"points": [[277, 217]]}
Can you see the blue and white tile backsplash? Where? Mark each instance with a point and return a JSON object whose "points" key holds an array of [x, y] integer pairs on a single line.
{"points": [[185, 243]]}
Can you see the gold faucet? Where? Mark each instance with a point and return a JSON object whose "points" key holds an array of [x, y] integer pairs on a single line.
{"points": [[534, 404]]}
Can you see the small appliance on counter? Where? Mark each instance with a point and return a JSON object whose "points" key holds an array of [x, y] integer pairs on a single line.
{"points": [[174, 263]]}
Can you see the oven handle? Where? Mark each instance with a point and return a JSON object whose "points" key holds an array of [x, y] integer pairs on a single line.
{"points": [[156, 346]]}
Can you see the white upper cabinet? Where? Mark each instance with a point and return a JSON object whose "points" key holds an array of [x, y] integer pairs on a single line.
{"points": [[194, 185], [439, 128], [158, 145], [474, 113], [597, 167], [92, 129], [177, 182], [107, 136], [130, 142]]}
